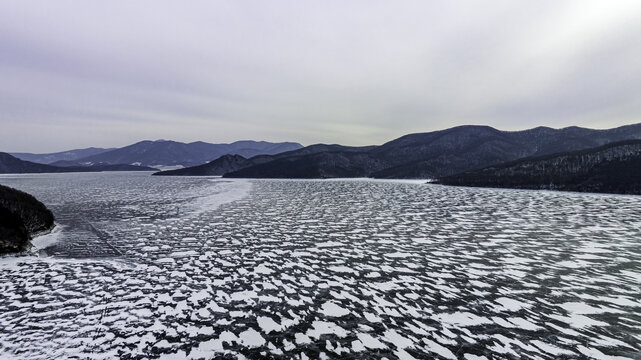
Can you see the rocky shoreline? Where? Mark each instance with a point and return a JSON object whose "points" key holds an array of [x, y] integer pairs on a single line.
{"points": [[22, 217]]}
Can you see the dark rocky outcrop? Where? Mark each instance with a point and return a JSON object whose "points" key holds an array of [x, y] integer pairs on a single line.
{"points": [[613, 168], [21, 217], [14, 236]]}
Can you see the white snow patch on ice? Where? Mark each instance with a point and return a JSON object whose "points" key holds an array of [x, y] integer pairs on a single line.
{"points": [[330, 308], [596, 354], [243, 295], [474, 357], [329, 244], [251, 338], [268, 324], [439, 349], [342, 269], [227, 191], [186, 253], [397, 339], [372, 318], [579, 321], [46, 240], [551, 349], [635, 275], [262, 269], [511, 304], [398, 255], [584, 309], [370, 342], [301, 338], [326, 327], [461, 319]]}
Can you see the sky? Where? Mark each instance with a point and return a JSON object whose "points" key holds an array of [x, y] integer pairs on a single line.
{"points": [[76, 74]]}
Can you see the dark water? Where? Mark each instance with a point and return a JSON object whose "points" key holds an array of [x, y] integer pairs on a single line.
{"points": [[148, 267]]}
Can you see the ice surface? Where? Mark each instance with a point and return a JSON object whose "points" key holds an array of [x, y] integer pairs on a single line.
{"points": [[331, 309], [370, 342], [251, 338], [155, 267]]}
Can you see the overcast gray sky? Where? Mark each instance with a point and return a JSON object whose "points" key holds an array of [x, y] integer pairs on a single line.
{"points": [[110, 73]]}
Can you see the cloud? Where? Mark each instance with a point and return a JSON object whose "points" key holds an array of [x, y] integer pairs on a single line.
{"points": [[78, 74]]}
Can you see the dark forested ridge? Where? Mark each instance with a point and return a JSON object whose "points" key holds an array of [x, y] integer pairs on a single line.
{"points": [[613, 168], [69, 155], [320, 165], [424, 155], [233, 165], [21, 216], [220, 166], [463, 148], [12, 165]]}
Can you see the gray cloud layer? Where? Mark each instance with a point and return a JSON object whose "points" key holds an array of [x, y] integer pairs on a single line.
{"points": [[109, 73]]}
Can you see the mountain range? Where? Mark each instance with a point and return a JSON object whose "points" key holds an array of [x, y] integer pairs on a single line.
{"points": [[423, 155], [159, 153], [467, 155], [69, 155], [11, 165], [228, 164], [612, 168]]}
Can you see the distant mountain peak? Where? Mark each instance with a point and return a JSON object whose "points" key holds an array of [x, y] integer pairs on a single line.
{"points": [[169, 153]]}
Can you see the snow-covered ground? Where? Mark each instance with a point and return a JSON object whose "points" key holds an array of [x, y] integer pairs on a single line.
{"points": [[157, 267]]}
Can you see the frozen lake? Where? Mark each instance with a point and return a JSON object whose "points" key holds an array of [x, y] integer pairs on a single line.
{"points": [[157, 267]]}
